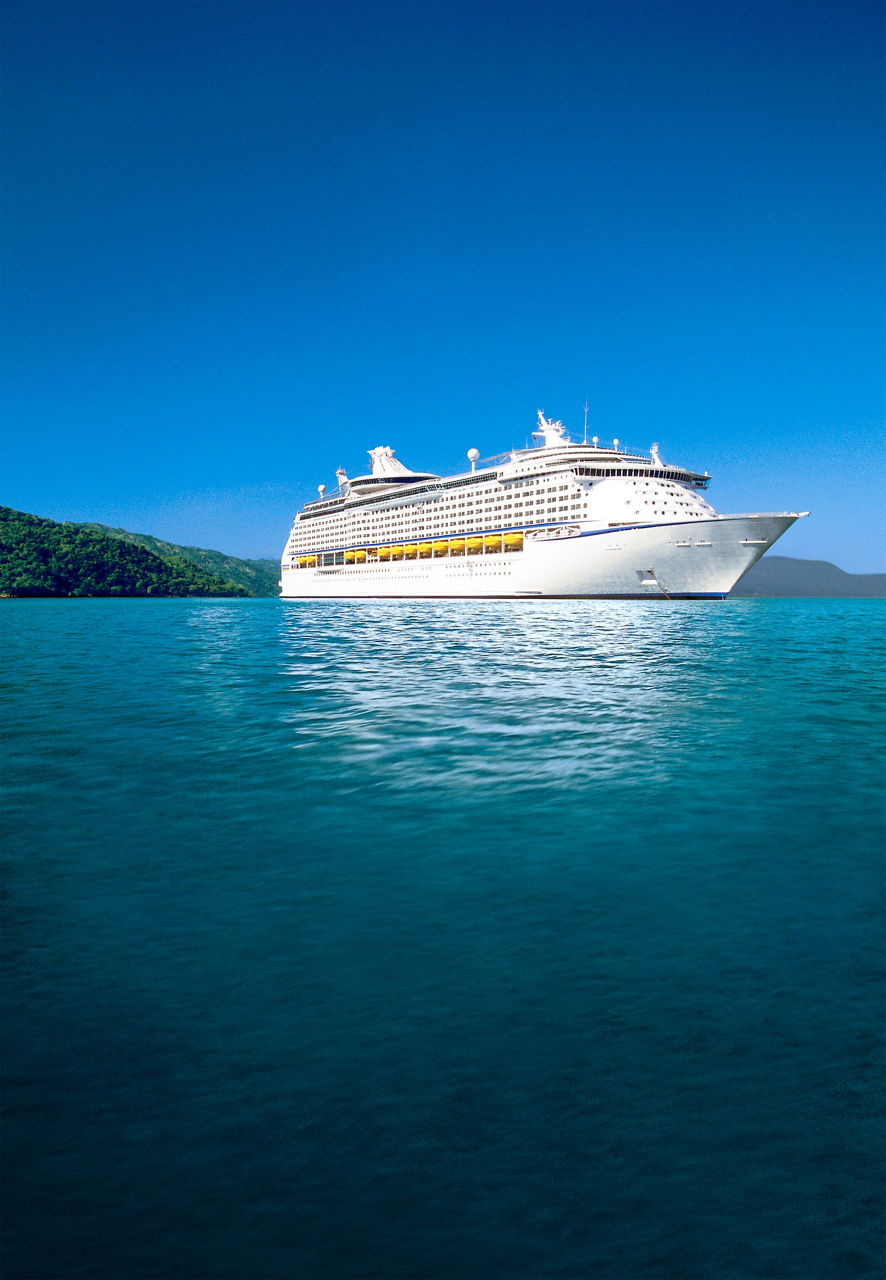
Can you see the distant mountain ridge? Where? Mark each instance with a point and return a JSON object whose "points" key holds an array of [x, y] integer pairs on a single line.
{"points": [[787, 577]]}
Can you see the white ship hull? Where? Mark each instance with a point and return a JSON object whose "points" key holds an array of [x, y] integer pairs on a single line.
{"points": [[694, 560], [558, 520]]}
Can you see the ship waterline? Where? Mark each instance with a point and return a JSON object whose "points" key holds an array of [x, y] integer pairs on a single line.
{"points": [[559, 520]]}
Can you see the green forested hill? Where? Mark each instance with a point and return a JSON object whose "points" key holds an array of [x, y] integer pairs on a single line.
{"points": [[43, 558], [257, 577]]}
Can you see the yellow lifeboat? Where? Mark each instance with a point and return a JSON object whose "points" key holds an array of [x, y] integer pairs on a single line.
{"points": [[384, 553], [396, 553], [360, 557], [456, 546], [513, 541], [350, 557], [440, 548], [303, 561], [492, 542]]}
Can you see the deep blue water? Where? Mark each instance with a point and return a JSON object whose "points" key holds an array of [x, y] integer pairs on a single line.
{"points": [[443, 939]]}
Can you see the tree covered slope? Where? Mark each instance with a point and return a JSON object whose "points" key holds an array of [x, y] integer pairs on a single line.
{"points": [[43, 558], [257, 577]]}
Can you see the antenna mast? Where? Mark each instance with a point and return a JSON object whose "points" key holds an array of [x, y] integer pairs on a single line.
{"points": [[586, 421]]}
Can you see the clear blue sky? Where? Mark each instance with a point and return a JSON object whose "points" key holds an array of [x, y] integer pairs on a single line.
{"points": [[244, 243]]}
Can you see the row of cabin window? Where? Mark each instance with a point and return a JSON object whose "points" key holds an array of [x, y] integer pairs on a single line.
{"points": [[554, 506], [447, 507]]}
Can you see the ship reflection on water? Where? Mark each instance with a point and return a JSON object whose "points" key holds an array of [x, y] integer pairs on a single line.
{"points": [[454, 695]]}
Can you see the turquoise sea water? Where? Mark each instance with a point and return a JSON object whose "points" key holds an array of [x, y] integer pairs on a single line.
{"points": [[443, 939]]}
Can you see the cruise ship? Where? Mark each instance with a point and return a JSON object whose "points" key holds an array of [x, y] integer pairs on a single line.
{"points": [[559, 519]]}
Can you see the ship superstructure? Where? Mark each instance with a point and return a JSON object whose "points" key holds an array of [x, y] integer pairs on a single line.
{"points": [[559, 519]]}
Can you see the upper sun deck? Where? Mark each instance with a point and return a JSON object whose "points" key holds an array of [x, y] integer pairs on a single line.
{"points": [[558, 451], [392, 483], [594, 460]]}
